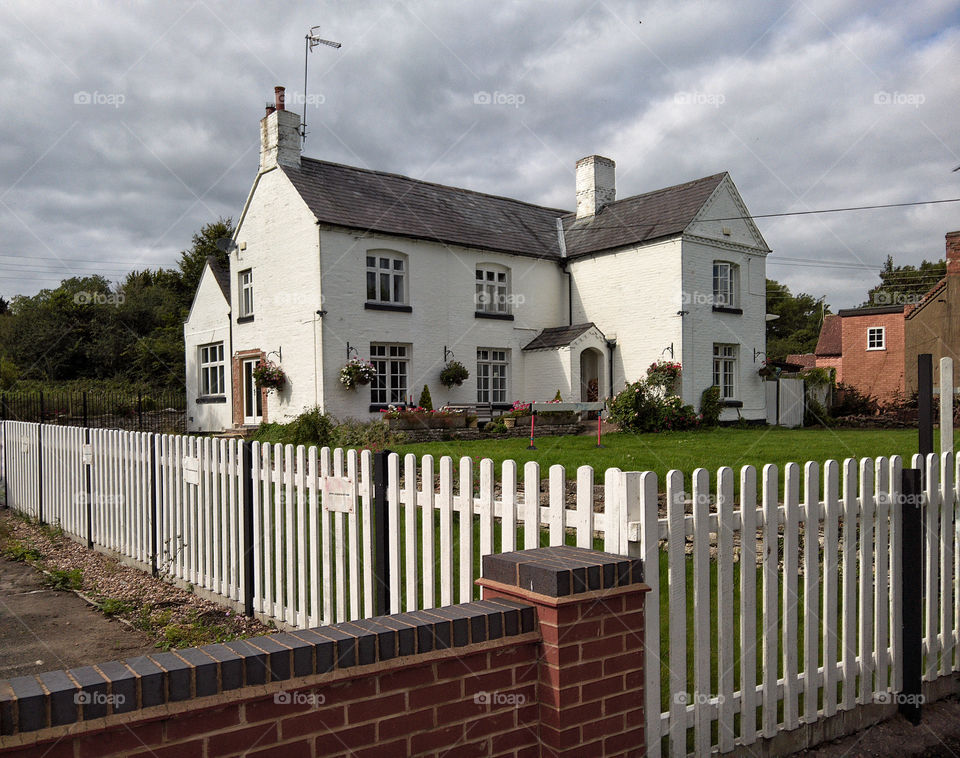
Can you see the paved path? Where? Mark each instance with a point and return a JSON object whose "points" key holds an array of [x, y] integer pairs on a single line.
{"points": [[42, 630]]}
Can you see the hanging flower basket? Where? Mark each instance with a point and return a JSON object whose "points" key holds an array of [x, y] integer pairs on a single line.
{"points": [[355, 372], [268, 374], [453, 374]]}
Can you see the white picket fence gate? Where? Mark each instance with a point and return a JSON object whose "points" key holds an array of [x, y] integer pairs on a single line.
{"points": [[793, 612]]}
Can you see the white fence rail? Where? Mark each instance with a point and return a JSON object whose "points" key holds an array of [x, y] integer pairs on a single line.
{"points": [[783, 584]]}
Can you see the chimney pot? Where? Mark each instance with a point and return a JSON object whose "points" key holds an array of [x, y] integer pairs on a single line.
{"points": [[270, 108], [953, 253], [278, 95]]}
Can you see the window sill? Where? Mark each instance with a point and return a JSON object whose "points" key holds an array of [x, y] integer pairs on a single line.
{"points": [[724, 309], [495, 316], [244, 319], [875, 349], [732, 403], [211, 399], [388, 307]]}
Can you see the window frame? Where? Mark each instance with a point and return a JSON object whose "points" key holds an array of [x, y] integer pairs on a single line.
{"points": [[393, 274], [882, 330], [245, 288], [207, 368], [724, 362], [495, 277], [487, 363], [729, 299], [395, 355]]}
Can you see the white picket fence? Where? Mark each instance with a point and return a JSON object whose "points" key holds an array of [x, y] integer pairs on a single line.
{"points": [[771, 558]]}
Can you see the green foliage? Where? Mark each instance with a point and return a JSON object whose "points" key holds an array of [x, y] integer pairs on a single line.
{"points": [[557, 398], [426, 402], [852, 402], [798, 327], [204, 244], [454, 373], [815, 414], [900, 285], [312, 427], [819, 377], [64, 580], [111, 606], [497, 426], [710, 406], [642, 407], [91, 330], [18, 551], [9, 373]]}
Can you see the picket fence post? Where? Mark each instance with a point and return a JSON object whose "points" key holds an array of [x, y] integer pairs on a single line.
{"points": [[381, 527], [246, 473], [911, 561]]}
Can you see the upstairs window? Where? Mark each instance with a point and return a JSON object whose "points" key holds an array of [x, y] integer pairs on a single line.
{"points": [[876, 338], [211, 369], [392, 363], [725, 285], [246, 293], [386, 278], [725, 370], [492, 289]]}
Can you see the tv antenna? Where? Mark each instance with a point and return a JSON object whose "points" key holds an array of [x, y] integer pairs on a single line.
{"points": [[311, 41]]}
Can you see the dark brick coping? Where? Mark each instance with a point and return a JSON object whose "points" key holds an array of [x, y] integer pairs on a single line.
{"points": [[562, 571], [29, 703]]}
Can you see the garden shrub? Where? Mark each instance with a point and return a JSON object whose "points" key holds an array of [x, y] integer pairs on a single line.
{"points": [[426, 402], [852, 402], [642, 407], [710, 406], [312, 427]]}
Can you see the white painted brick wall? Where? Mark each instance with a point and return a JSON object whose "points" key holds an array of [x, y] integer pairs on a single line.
{"points": [[634, 294], [281, 239], [208, 321], [441, 286]]}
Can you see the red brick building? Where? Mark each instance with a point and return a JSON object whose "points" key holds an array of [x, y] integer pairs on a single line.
{"points": [[872, 351]]}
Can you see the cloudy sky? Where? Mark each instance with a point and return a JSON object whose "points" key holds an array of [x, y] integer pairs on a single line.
{"points": [[128, 125]]}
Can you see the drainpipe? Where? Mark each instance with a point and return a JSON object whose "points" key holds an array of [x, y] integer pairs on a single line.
{"points": [[611, 346], [569, 296]]}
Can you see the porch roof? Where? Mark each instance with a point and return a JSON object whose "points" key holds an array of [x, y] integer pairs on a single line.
{"points": [[558, 336]]}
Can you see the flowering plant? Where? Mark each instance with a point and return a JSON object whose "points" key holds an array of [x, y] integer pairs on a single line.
{"points": [[400, 411], [664, 372], [357, 371], [454, 373], [268, 374]]}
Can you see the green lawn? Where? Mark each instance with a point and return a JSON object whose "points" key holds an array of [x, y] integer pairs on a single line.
{"points": [[724, 446]]}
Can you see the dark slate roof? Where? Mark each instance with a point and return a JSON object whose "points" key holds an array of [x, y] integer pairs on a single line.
{"points": [[558, 336], [222, 275], [831, 336], [874, 311], [377, 201], [661, 213], [380, 202]]}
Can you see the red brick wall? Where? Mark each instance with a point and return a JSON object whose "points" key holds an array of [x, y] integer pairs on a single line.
{"points": [[393, 710], [835, 362], [874, 372], [591, 672]]}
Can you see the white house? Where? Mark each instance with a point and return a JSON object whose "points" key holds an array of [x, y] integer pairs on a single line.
{"points": [[333, 261]]}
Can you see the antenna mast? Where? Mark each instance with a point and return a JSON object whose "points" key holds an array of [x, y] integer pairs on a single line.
{"points": [[311, 41]]}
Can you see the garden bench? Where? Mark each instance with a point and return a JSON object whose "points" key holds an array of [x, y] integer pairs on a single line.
{"points": [[483, 411]]}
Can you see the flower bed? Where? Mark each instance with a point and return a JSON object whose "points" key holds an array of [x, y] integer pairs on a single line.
{"points": [[421, 418]]}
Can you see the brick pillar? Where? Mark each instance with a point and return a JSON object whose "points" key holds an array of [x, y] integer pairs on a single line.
{"points": [[953, 253], [589, 607]]}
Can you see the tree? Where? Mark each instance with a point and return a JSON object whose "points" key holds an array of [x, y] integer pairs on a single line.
{"points": [[901, 285], [4, 307], [798, 327], [204, 244]]}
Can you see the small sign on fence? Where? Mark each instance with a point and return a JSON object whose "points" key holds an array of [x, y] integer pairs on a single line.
{"points": [[191, 470], [87, 455], [337, 494], [24, 444]]}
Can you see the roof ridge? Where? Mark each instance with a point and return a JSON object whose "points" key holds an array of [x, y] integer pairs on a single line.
{"points": [[671, 188], [561, 211]]}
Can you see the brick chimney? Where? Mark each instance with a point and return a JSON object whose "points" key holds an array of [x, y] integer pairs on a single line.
{"points": [[279, 135], [953, 253], [596, 186]]}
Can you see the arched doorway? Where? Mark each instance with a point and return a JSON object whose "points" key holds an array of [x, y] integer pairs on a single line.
{"points": [[591, 363]]}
